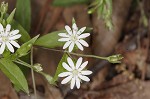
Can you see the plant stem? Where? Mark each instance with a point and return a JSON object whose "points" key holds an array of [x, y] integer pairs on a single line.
{"points": [[32, 74], [76, 54], [92, 56], [24, 64]]}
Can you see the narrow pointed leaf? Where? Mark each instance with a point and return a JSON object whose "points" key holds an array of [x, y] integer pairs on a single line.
{"points": [[23, 50], [10, 17], [23, 13], [50, 40], [24, 34], [13, 72]]}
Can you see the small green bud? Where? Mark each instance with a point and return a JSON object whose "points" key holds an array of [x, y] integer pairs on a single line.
{"points": [[109, 24], [73, 21], [115, 58], [38, 67], [3, 7], [92, 10], [145, 20]]}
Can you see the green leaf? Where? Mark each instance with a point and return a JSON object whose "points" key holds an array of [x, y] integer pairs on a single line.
{"points": [[50, 40], [10, 17], [59, 68], [24, 34], [13, 72], [23, 50], [6, 53], [68, 2], [23, 13]]}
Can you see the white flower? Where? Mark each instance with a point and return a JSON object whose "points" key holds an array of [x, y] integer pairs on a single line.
{"points": [[75, 72], [8, 37], [74, 37]]}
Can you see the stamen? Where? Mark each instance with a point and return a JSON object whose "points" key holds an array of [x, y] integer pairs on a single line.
{"points": [[75, 72], [74, 38], [5, 39]]}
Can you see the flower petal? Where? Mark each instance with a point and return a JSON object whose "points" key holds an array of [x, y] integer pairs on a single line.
{"points": [[1, 28], [86, 72], [84, 43], [84, 78], [66, 80], [15, 44], [66, 66], [79, 61], [63, 35], [10, 47], [75, 28], [71, 46], [77, 82], [64, 74], [70, 62], [64, 39], [81, 30], [14, 32], [79, 46], [15, 37], [2, 48], [84, 35], [66, 44], [83, 65], [68, 29], [72, 83], [8, 27]]}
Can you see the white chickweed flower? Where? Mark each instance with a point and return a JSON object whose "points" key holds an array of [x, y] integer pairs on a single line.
{"points": [[75, 72], [74, 37], [8, 37]]}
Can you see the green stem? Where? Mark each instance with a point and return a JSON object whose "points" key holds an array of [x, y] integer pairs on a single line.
{"points": [[76, 54], [32, 74], [23, 63], [92, 56]]}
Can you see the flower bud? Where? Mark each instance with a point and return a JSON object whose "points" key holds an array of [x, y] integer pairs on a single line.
{"points": [[3, 7], [38, 67], [115, 58], [91, 10]]}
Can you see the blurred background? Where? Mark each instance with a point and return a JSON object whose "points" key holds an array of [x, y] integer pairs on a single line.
{"points": [[125, 31]]}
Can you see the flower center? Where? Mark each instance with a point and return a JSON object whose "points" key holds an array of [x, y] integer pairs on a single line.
{"points": [[5, 38], [74, 38], [75, 72]]}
